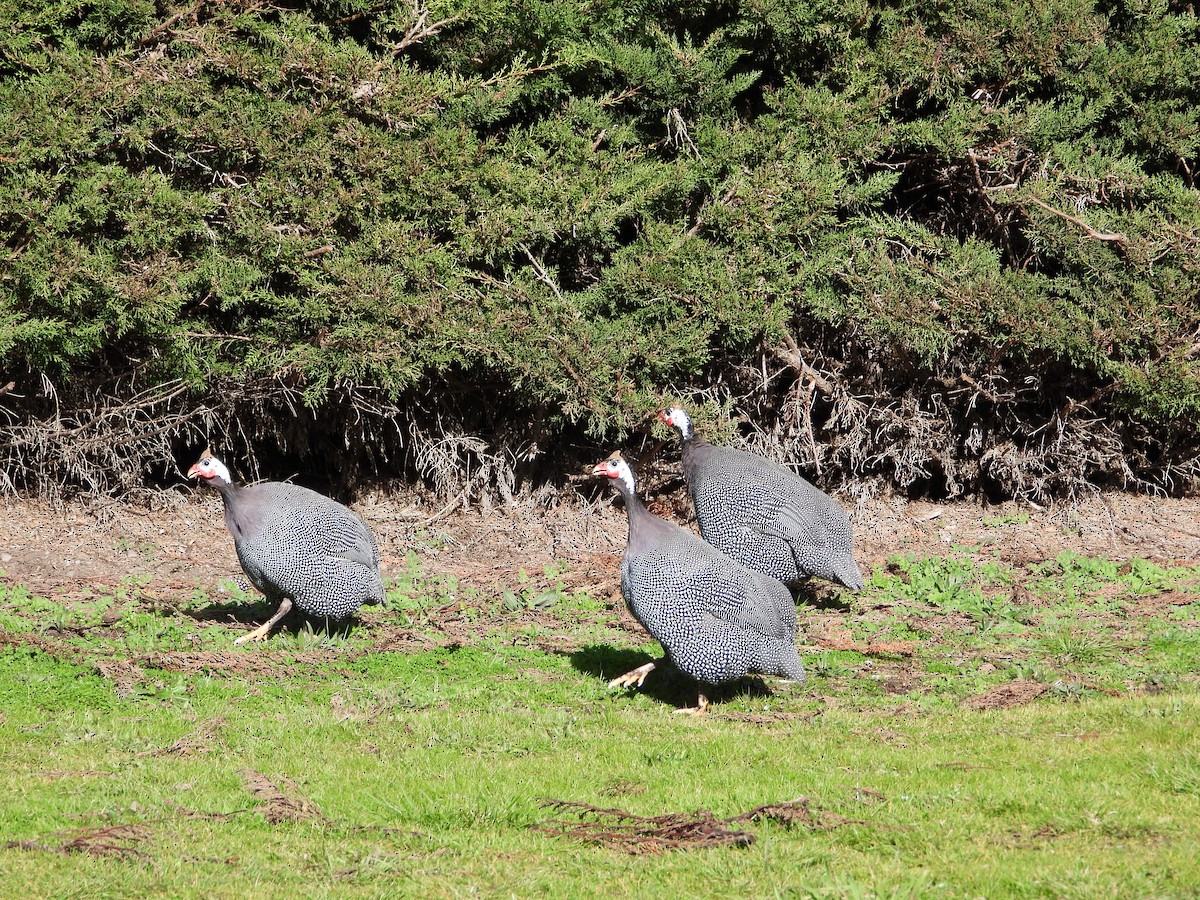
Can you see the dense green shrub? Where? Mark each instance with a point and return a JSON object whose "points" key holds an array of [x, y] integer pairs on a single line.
{"points": [[950, 246]]}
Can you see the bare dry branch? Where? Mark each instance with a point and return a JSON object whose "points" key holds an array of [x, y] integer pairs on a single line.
{"points": [[1088, 229], [677, 133], [790, 354], [163, 28], [420, 28]]}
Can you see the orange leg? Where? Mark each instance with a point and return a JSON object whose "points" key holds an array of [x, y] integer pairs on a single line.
{"points": [[260, 633]]}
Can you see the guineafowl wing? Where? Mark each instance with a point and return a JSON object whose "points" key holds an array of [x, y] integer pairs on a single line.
{"points": [[798, 524], [355, 541], [760, 604], [674, 589], [815, 529], [760, 495], [312, 524]]}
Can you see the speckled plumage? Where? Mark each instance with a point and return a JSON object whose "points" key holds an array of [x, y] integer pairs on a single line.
{"points": [[297, 544], [293, 542], [765, 515], [716, 618]]}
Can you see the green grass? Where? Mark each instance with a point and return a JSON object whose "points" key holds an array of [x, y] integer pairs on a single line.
{"points": [[427, 770]]}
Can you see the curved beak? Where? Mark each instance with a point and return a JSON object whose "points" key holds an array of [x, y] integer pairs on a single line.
{"points": [[664, 417], [194, 471]]}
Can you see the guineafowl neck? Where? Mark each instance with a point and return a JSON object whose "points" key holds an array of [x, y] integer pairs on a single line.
{"points": [[644, 526], [633, 506], [692, 448], [229, 491], [243, 515], [231, 494]]}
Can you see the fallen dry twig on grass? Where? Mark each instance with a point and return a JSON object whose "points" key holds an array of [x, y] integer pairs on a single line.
{"points": [[640, 834], [111, 840], [681, 831], [801, 811], [280, 802]]}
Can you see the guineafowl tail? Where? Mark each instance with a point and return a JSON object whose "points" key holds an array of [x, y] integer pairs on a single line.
{"points": [[782, 660], [793, 668], [847, 573]]}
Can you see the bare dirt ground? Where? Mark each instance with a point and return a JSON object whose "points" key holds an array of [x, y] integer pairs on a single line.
{"points": [[181, 541], [178, 544]]}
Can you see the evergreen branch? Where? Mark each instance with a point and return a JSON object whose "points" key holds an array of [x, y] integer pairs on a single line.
{"points": [[496, 79], [617, 99], [362, 14], [724, 201]]}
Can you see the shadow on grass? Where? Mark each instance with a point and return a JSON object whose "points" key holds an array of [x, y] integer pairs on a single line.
{"points": [[666, 684], [254, 614], [822, 595]]}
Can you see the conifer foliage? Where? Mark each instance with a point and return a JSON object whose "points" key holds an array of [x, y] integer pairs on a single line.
{"points": [[946, 247]]}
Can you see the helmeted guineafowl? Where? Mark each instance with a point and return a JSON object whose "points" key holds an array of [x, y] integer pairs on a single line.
{"points": [[716, 618], [297, 546], [764, 515]]}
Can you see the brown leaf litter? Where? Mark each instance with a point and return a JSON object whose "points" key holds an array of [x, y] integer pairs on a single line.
{"points": [[199, 741], [126, 676], [844, 641]]}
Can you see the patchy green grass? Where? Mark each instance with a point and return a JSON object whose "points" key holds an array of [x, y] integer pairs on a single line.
{"points": [[141, 754]]}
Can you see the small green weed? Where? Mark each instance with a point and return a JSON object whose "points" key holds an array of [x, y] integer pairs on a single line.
{"points": [[1080, 580], [1180, 776], [952, 584], [1001, 521], [171, 690], [1174, 638], [1142, 577], [834, 663], [151, 631], [514, 601], [1078, 644], [308, 638]]}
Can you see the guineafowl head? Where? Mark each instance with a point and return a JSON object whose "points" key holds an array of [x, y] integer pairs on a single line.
{"points": [[677, 419], [617, 469], [210, 470]]}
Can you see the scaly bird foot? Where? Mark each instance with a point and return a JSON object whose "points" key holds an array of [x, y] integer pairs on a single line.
{"points": [[633, 678], [260, 633], [699, 709]]}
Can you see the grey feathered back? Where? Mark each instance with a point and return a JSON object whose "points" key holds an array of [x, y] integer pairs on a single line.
{"points": [[716, 618], [293, 542], [767, 516]]}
